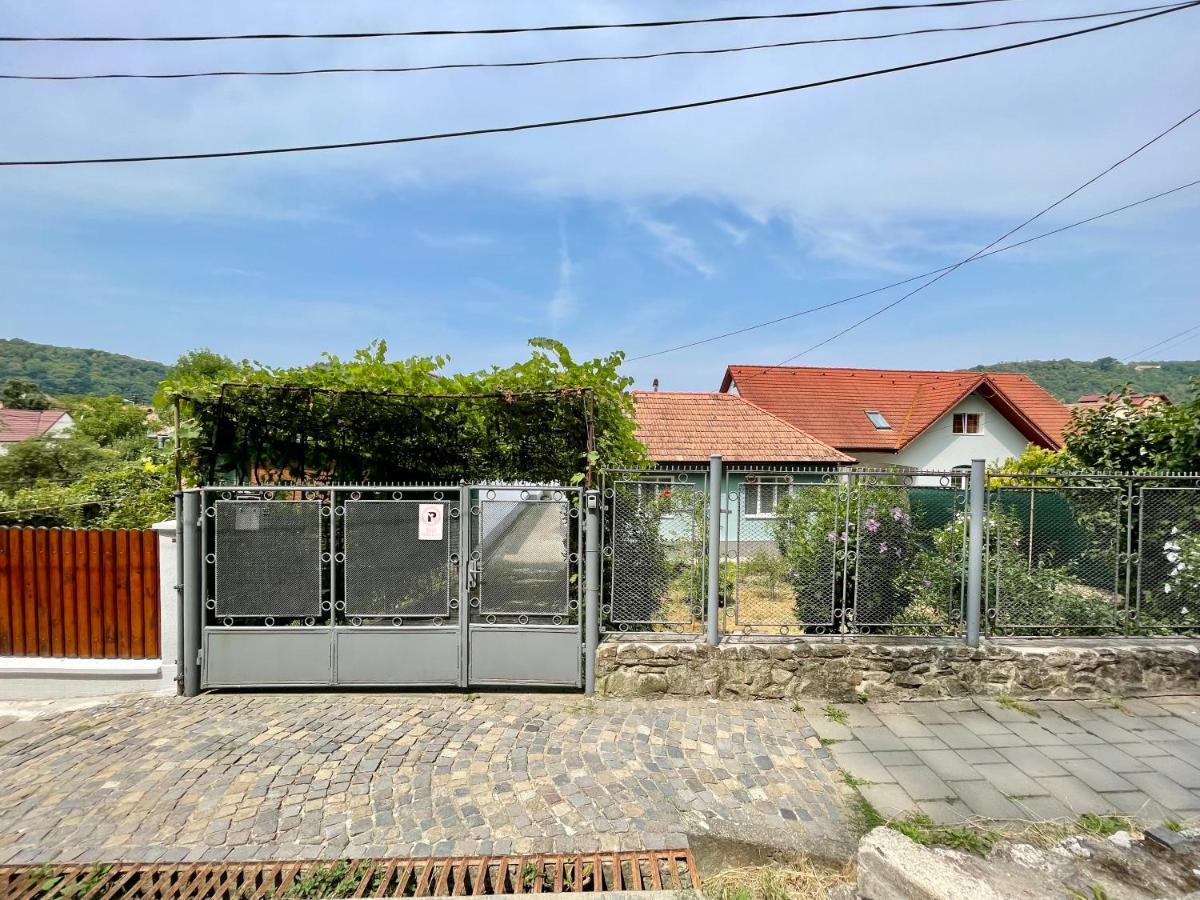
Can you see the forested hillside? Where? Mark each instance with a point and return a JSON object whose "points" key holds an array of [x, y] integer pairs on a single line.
{"points": [[1068, 379], [67, 370]]}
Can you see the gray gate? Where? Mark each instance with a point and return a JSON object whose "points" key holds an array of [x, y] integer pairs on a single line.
{"points": [[428, 585]]}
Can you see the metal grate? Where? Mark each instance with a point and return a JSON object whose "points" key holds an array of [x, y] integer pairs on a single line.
{"points": [[475, 876], [657, 551], [268, 558], [1168, 577], [389, 571], [525, 550]]}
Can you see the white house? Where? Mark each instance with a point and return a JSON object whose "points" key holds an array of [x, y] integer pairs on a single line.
{"points": [[914, 419], [21, 424]]}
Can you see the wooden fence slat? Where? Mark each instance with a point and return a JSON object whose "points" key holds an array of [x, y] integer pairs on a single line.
{"points": [[29, 586], [108, 612], [66, 570], [54, 595], [133, 593], [121, 596], [96, 593], [82, 619], [6, 619], [151, 596], [15, 582], [42, 590]]}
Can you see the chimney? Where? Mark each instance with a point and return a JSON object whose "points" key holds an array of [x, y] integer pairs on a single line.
{"points": [[655, 385]]}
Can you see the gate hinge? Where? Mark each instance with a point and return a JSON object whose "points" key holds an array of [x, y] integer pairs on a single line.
{"points": [[200, 657]]}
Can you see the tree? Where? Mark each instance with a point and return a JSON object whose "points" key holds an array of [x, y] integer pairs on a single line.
{"points": [[1121, 437], [194, 367], [21, 394]]}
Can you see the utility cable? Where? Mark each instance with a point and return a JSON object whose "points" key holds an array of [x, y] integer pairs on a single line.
{"points": [[1168, 340]]}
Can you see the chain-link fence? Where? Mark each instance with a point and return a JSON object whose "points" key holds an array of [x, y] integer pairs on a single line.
{"points": [[1091, 554]]}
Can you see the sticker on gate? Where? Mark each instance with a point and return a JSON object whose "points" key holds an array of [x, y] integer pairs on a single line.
{"points": [[431, 518]]}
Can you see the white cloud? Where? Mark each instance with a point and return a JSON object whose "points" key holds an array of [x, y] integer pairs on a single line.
{"points": [[673, 244], [562, 305]]}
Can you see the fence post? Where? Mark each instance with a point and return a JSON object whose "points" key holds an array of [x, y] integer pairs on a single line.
{"points": [[975, 550], [193, 604], [591, 574], [714, 549]]}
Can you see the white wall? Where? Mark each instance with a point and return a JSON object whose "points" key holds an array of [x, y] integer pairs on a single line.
{"points": [[939, 448], [42, 678]]}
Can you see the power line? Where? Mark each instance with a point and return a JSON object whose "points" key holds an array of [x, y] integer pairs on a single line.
{"points": [[1160, 343], [1006, 235], [628, 57], [579, 120], [812, 309], [450, 32]]}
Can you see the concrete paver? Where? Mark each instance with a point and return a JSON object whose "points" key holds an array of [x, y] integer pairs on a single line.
{"points": [[1064, 759], [305, 775]]}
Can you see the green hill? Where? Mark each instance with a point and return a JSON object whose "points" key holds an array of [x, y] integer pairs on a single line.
{"points": [[67, 370], [1068, 379]]}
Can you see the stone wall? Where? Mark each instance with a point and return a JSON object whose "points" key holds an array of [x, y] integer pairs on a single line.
{"points": [[898, 668]]}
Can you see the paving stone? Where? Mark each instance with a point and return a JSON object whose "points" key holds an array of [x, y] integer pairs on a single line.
{"points": [[1032, 761], [920, 783], [948, 765], [1162, 789], [889, 800], [924, 743], [1115, 759], [1064, 752], [1110, 733], [1043, 809], [1097, 776], [980, 723], [864, 765], [1138, 805], [958, 737], [984, 800], [1010, 780], [877, 738], [905, 726], [975, 757], [1077, 796], [898, 758], [1035, 735], [945, 812], [930, 713], [1176, 769], [858, 715]]}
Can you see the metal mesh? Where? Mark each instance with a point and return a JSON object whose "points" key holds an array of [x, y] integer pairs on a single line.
{"points": [[268, 558], [1055, 558], [1169, 560], [782, 561], [657, 547], [908, 559], [525, 557], [390, 572]]}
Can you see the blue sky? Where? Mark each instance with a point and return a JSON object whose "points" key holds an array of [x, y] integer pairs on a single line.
{"points": [[632, 235]]}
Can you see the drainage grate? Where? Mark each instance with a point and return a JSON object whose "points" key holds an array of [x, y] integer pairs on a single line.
{"points": [[471, 876]]}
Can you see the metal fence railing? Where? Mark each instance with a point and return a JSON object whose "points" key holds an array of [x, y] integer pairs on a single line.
{"points": [[806, 551]]}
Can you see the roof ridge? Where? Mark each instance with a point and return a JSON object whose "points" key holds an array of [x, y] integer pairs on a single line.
{"points": [[942, 372]]}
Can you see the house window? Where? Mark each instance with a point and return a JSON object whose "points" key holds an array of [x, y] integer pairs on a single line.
{"points": [[968, 423], [877, 419], [762, 499]]}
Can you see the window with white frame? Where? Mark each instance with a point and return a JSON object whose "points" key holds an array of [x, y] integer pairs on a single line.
{"points": [[762, 499], [968, 423]]}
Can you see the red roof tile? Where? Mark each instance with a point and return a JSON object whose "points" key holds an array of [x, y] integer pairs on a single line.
{"points": [[19, 424], [832, 404], [689, 427]]}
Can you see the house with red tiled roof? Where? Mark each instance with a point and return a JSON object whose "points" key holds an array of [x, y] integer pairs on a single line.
{"points": [[21, 424], [915, 419], [682, 430]]}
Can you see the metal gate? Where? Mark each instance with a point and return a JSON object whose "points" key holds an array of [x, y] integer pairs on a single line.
{"points": [[429, 585]]}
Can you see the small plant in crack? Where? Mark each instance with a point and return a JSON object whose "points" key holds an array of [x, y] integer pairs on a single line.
{"points": [[835, 714]]}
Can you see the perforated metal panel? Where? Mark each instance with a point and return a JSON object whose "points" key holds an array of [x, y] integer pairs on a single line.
{"points": [[388, 571], [525, 554], [268, 558]]}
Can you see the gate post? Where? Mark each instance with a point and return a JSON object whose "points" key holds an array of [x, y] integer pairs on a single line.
{"points": [[713, 635], [975, 551], [190, 524], [591, 597]]}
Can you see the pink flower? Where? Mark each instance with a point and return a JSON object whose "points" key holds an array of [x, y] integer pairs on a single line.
{"points": [[872, 525], [883, 548]]}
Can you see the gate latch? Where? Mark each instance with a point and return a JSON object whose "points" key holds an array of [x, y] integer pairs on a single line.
{"points": [[474, 572]]}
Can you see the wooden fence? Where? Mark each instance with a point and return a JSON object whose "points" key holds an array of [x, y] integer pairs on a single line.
{"points": [[79, 593]]}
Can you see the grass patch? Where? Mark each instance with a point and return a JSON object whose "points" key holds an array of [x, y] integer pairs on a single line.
{"points": [[1007, 702], [1118, 704], [919, 827], [834, 714], [806, 880], [1173, 825], [1103, 826], [861, 697], [797, 707], [852, 780], [828, 742], [325, 881], [1094, 892]]}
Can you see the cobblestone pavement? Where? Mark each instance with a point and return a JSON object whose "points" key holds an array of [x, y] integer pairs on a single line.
{"points": [[323, 775], [960, 759]]}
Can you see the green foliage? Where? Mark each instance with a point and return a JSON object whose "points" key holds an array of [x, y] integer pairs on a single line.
{"points": [[104, 473], [21, 394], [1117, 436], [67, 370], [196, 367], [1007, 702], [836, 714], [1069, 379], [1103, 826], [333, 419], [1033, 461]]}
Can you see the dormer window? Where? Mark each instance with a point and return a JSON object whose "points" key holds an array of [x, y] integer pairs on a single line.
{"points": [[878, 420]]}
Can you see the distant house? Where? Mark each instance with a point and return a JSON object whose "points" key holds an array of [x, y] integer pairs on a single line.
{"points": [[1136, 401], [914, 419], [21, 424], [682, 430]]}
